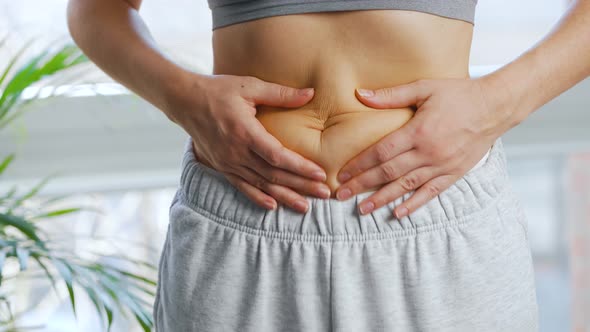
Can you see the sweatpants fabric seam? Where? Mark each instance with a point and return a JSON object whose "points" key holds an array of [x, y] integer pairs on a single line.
{"points": [[330, 287], [320, 238], [158, 294], [330, 279]]}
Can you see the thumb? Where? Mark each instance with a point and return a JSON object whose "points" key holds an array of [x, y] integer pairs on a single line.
{"points": [[394, 97], [272, 94]]}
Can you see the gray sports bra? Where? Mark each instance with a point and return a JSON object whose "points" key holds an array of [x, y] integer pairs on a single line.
{"points": [[227, 12]]}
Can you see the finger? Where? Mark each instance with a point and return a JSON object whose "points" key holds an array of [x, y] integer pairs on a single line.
{"points": [[272, 94], [278, 192], [385, 149], [253, 193], [396, 189], [424, 194], [384, 173], [273, 152], [394, 97], [288, 179]]}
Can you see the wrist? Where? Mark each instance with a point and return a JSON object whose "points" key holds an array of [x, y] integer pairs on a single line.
{"points": [[183, 94], [502, 100]]}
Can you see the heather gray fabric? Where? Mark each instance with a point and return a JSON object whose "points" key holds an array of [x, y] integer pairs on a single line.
{"points": [[227, 12], [459, 263]]}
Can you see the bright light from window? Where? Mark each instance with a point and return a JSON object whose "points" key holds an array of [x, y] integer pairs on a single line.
{"points": [[503, 28]]}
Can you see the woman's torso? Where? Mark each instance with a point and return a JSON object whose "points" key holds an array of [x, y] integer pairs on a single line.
{"points": [[335, 53]]}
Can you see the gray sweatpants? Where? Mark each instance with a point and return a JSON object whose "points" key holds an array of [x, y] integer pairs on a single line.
{"points": [[459, 263]]}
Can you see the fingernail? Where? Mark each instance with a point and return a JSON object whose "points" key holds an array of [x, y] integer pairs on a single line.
{"points": [[324, 192], [305, 92], [401, 212], [319, 175], [300, 206], [343, 194], [272, 205], [344, 176], [365, 92], [366, 207]]}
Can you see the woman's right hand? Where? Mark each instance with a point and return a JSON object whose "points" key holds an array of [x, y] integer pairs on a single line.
{"points": [[218, 112]]}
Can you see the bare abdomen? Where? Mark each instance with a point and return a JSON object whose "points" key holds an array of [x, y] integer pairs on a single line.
{"points": [[335, 53], [331, 142]]}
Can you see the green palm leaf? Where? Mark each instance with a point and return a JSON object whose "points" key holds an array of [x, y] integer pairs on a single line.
{"points": [[111, 288], [32, 192], [14, 60], [43, 65], [4, 164], [24, 226], [66, 273]]}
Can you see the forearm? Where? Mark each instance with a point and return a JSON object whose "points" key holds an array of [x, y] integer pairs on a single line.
{"points": [[553, 65], [113, 35]]}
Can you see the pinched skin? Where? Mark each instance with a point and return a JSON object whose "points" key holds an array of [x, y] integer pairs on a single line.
{"points": [[335, 53]]}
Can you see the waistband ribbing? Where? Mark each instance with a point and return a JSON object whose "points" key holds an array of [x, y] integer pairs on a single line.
{"points": [[208, 192]]}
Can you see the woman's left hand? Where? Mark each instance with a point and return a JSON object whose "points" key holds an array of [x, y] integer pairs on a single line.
{"points": [[456, 121]]}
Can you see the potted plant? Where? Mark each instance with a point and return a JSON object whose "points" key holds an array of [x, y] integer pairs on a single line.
{"points": [[111, 288]]}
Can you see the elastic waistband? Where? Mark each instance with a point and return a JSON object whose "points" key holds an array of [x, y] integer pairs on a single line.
{"points": [[210, 194]]}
